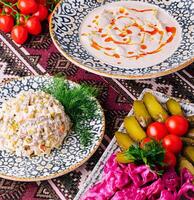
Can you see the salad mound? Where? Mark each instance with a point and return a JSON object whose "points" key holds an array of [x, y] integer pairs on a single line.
{"points": [[32, 124], [129, 181]]}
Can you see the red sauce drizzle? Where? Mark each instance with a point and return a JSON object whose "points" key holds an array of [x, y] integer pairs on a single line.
{"points": [[144, 10], [100, 30], [143, 46], [104, 35], [121, 10], [99, 47], [112, 22], [124, 33], [171, 30], [129, 32]]}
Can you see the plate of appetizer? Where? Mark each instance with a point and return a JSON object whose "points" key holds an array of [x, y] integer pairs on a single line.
{"points": [[49, 126], [151, 155], [125, 39]]}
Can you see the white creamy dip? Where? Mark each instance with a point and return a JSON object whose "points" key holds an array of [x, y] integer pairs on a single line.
{"points": [[130, 34]]}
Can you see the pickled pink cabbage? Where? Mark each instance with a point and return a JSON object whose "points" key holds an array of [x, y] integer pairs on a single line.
{"points": [[165, 194], [132, 182], [171, 180], [141, 175]]}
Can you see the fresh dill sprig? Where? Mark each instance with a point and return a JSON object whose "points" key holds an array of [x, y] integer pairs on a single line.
{"points": [[78, 103]]}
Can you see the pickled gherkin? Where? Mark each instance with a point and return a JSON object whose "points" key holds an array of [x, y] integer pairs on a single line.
{"points": [[188, 152], [188, 141], [174, 107], [184, 163], [191, 120], [123, 140], [134, 129], [190, 133], [121, 157], [141, 113], [155, 109]]}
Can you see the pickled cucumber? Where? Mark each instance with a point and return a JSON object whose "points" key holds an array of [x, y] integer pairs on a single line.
{"points": [[122, 158], [123, 140], [174, 107], [184, 163], [190, 133], [134, 129], [191, 120], [188, 141], [188, 152], [157, 112], [141, 113]]}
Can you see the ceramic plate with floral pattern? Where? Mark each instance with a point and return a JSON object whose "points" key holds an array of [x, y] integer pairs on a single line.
{"points": [[73, 20], [61, 161]]}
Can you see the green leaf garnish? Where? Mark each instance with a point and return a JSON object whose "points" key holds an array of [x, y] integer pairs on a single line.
{"points": [[151, 154], [78, 103]]}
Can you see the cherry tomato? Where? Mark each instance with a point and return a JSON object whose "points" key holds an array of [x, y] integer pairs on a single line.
{"points": [[19, 34], [172, 143], [169, 159], [177, 125], [33, 25], [6, 23], [12, 1], [42, 12], [43, 2], [27, 6], [7, 10], [157, 130], [22, 20], [144, 141]]}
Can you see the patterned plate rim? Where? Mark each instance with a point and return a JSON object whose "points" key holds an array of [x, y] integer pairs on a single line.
{"points": [[69, 169], [117, 76]]}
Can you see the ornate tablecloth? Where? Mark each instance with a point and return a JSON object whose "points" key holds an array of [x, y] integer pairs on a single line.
{"points": [[39, 56]]}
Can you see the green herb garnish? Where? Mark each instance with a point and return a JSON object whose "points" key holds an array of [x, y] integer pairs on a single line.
{"points": [[78, 104], [151, 154]]}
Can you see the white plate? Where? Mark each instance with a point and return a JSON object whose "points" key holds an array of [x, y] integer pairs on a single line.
{"points": [[69, 14]]}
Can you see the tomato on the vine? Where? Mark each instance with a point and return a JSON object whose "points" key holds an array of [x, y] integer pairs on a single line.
{"points": [[19, 34], [12, 1], [177, 125], [43, 2], [42, 12], [33, 25], [6, 23], [27, 6], [157, 130], [7, 10], [22, 20], [169, 159], [172, 143]]}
